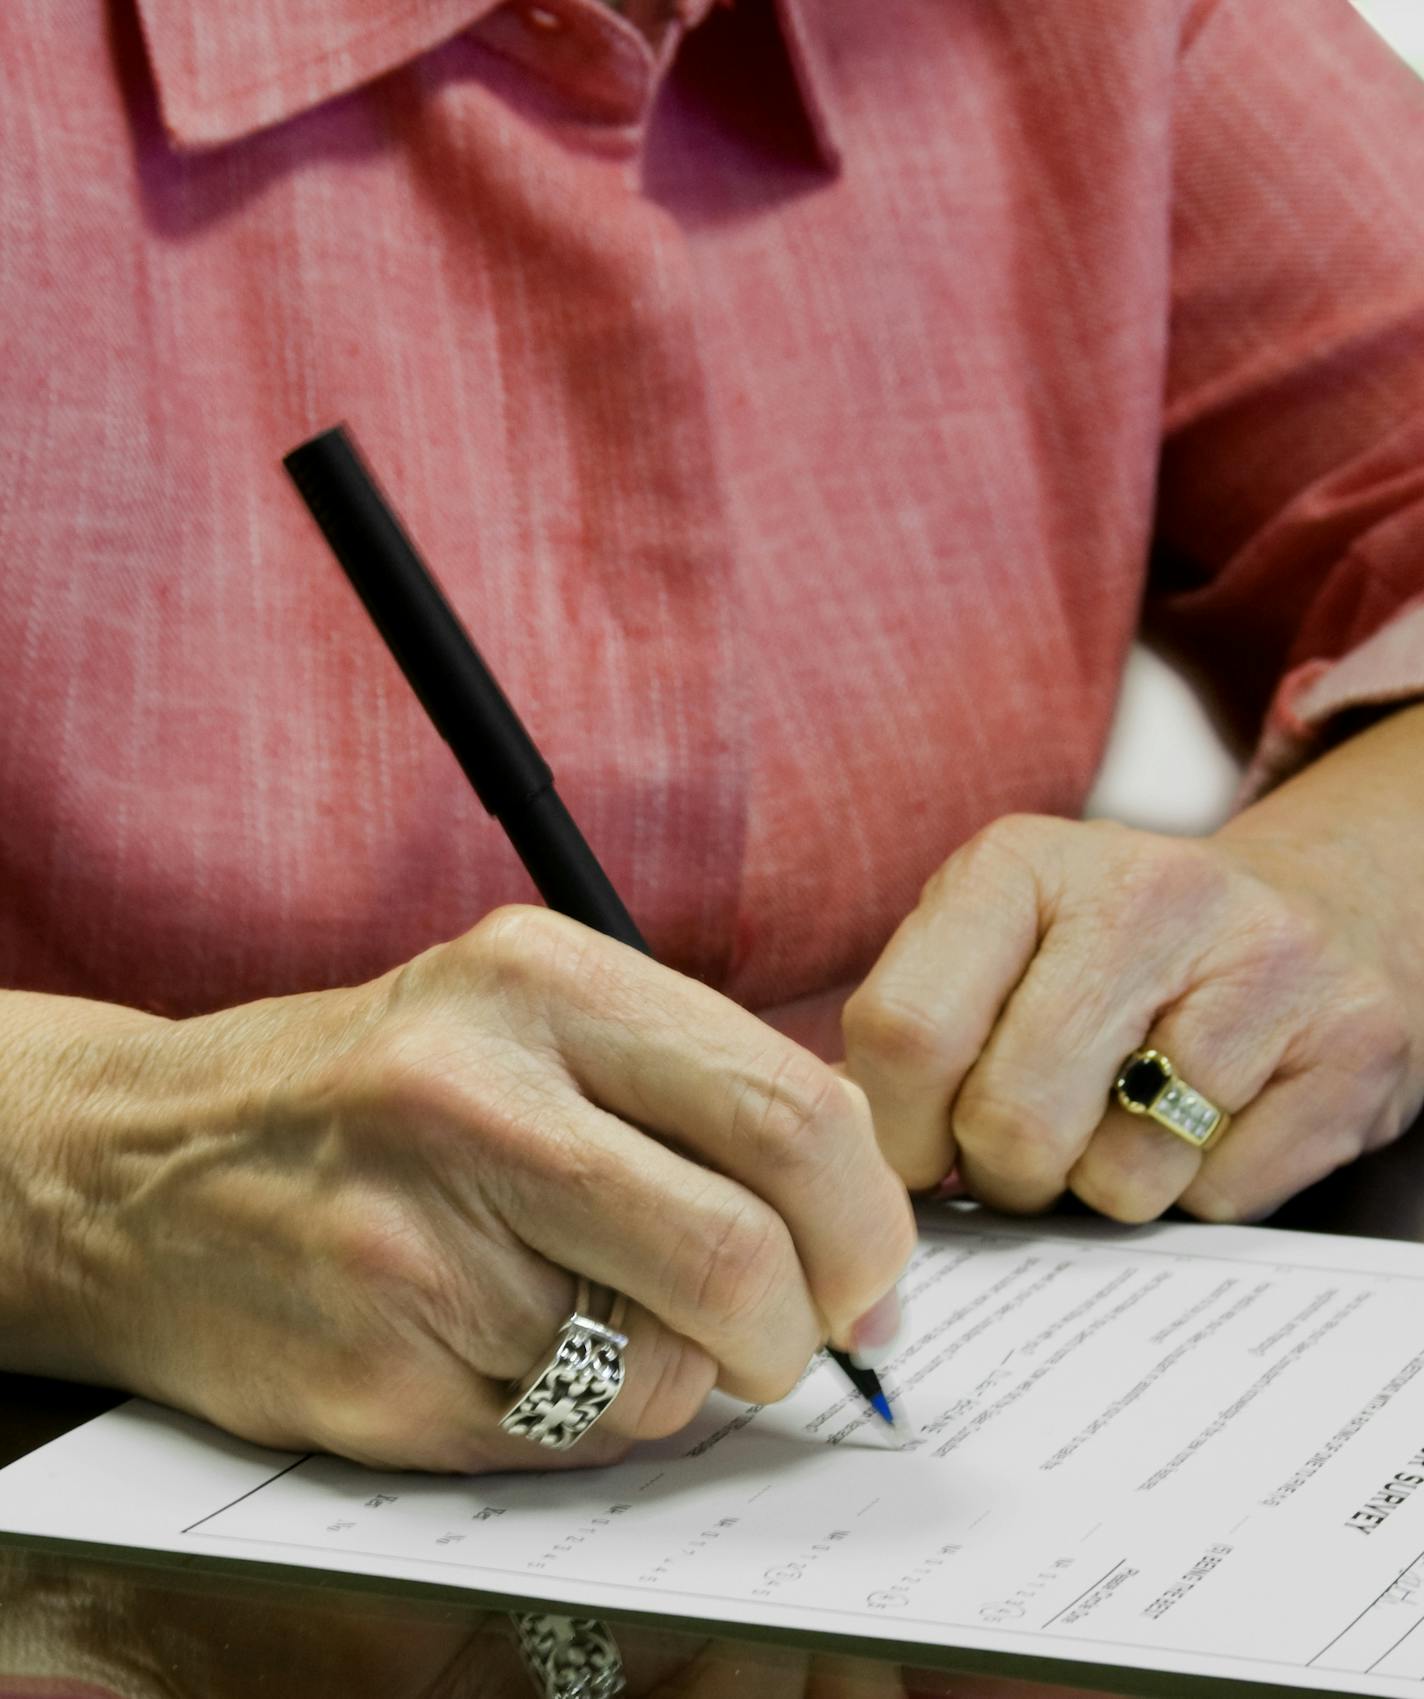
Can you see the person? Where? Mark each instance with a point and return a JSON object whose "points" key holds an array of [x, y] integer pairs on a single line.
{"points": [[801, 404]]}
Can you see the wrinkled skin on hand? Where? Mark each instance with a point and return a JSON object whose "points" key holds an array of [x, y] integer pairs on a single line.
{"points": [[348, 1221], [990, 1032]]}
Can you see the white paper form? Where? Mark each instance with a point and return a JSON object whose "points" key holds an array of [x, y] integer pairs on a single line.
{"points": [[1181, 1448]]}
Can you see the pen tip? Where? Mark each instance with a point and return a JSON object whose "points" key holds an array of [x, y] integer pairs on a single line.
{"points": [[881, 1406]]}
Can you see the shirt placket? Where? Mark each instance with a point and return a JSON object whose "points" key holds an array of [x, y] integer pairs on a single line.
{"points": [[645, 548]]}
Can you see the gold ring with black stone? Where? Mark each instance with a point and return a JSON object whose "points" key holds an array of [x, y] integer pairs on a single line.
{"points": [[1148, 1084]]}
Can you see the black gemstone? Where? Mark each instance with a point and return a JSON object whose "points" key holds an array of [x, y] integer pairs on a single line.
{"points": [[1142, 1080]]}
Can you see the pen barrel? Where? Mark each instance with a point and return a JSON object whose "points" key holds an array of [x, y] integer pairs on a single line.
{"points": [[565, 869], [455, 687], [470, 711], [431, 647]]}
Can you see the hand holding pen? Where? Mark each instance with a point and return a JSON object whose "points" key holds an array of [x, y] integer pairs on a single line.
{"points": [[766, 1163], [347, 1220]]}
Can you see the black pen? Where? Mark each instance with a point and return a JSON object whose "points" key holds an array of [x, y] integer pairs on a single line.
{"points": [[468, 709]]}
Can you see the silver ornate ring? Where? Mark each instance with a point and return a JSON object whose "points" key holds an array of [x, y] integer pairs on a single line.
{"points": [[569, 1657], [559, 1402]]}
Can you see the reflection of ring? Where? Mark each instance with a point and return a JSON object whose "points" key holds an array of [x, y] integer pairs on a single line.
{"points": [[1148, 1084], [561, 1401], [569, 1657]]}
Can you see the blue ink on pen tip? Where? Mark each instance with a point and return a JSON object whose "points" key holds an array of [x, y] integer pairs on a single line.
{"points": [[881, 1406]]}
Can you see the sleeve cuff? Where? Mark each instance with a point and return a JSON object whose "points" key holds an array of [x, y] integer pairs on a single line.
{"points": [[1384, 671]]}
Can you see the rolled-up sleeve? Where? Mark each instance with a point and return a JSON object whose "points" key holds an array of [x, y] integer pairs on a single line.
{"points": [[1290, 524]]}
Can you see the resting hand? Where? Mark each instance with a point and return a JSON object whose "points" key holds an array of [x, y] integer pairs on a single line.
{"points": [[1273, 963], [346, 1221]]}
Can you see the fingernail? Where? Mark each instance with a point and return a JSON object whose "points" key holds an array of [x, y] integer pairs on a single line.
{"points": [[875, 1335], [951, 1186]]}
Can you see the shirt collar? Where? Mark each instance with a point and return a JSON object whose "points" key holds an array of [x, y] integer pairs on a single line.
{"points": [[812, 70], [224, 71], [228, 70]]}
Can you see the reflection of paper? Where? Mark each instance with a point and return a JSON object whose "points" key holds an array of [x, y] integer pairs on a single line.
{"points": [[1183, 1448]]}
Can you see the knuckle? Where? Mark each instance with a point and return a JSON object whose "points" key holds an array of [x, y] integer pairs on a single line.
{"points": [[671, 1390], [381, 1249], [1011, 842], [518, 948], [1113, 1195], [894, 1035], [1156, 880], [432, 1092], [396, 1285], [392, 1276], [781, 1115], [920, 1167], [1219, 1208], [1016, 835], [733, 1264], [776, 1383], [531, 959], [1371, 1036], [1013, 1140], [1285, 938], [380, 1415], [592, 1181], [408, 1070]]}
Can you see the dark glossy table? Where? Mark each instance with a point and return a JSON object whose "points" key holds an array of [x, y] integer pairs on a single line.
{"points": [[95, 1626]]}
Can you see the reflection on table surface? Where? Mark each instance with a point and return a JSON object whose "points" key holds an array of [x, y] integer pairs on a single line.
{"points": [[122, 1630], [118, 1627]]}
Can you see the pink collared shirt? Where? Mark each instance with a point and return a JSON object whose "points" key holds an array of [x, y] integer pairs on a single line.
{"points": [[799, 402]]}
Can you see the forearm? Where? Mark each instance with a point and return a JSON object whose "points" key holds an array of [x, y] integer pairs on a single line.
{"points": [[69, 1068], [1351, 827]]}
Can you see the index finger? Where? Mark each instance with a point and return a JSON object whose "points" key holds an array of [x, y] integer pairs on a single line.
{"points": [[677, 1059], [918, 1023]]}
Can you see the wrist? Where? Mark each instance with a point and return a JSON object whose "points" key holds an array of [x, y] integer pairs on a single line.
{"points": [[1344, 834], [109, 1118], [1353, 886], [72, 1072]]}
